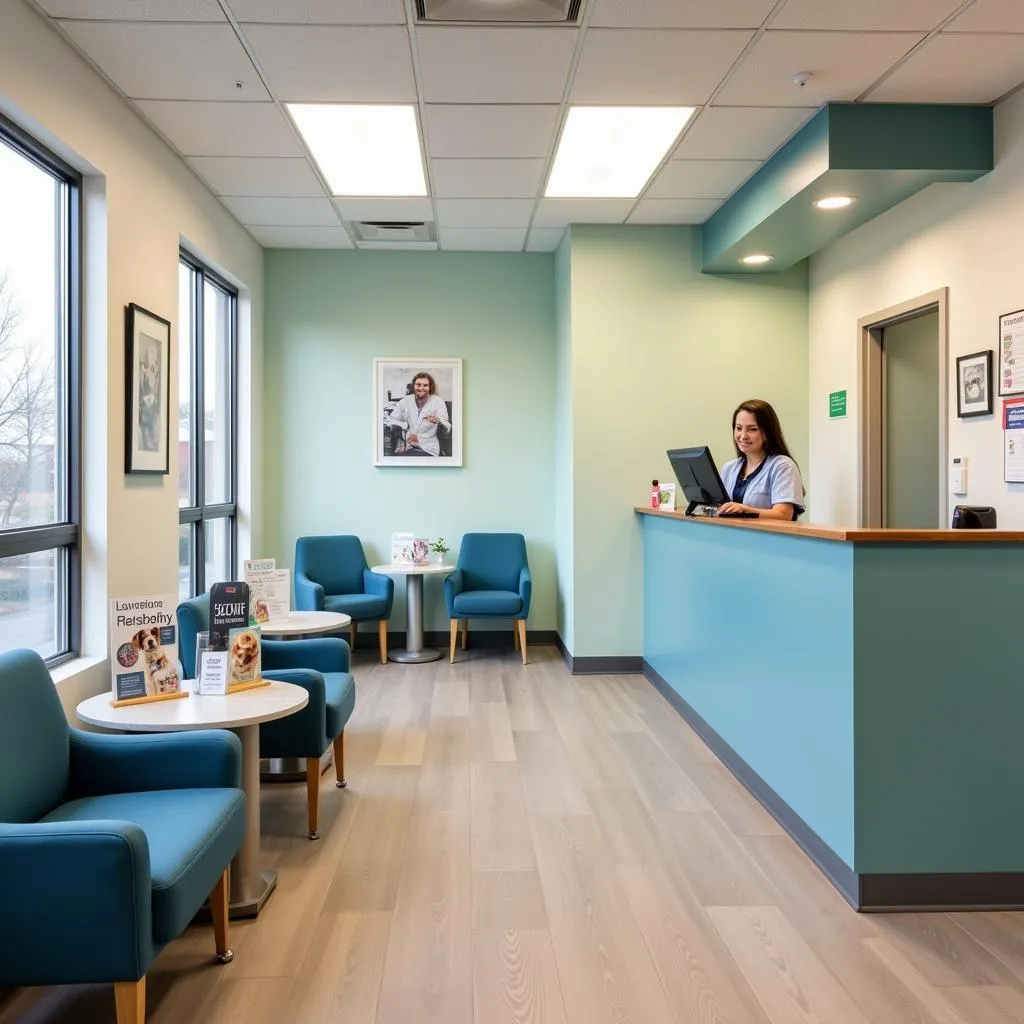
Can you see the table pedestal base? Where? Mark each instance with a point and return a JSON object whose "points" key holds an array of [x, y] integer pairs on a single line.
{"points": [[291, 769], [415, 657], [247, 903]]}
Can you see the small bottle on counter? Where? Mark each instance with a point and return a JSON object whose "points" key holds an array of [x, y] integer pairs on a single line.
{"points": [[655, 494]]}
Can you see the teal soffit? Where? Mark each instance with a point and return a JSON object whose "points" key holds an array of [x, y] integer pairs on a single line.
{"points": [[879, 153]]}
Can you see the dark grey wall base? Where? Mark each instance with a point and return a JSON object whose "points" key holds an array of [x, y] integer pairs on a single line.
{"points": [[485, 638], [978, 891], [618, 665]]}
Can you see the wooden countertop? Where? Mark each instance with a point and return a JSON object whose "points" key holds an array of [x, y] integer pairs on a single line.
{"points": [[852, 534]]}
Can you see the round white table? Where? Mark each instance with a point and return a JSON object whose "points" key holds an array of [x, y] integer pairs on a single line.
{"points": [[299, 624], [241, 713], [414, 651]]}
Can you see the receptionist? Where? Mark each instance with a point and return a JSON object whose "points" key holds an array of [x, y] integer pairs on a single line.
{"points": [[764, 478]]}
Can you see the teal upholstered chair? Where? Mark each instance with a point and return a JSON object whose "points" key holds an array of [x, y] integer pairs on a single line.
{"points": [[492, 580], [331, 575], [320, 666], [108, 844]]}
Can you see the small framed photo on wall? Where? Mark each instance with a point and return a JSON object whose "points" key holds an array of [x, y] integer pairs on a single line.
{"points": [[974, 384], [147, 391], [417, 412]]}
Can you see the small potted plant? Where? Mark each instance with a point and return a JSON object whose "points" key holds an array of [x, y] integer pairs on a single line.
{"points": [[439, 549]]}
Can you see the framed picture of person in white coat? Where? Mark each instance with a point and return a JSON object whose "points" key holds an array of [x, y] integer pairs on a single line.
{"points": [[417, 416]]}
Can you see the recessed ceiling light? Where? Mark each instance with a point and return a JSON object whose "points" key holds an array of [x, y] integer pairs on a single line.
{"points": [[364, 149], [756, 257], [833, 202], [610, 152]]}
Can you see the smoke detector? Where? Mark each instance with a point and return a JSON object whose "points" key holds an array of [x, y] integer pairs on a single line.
{"points": [[801, 78]]}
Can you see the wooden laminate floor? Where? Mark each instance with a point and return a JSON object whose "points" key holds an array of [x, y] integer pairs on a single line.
{"points": [[519, 846]]}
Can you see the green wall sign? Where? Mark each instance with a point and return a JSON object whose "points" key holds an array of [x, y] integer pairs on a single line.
{"points": [[837, 404]]}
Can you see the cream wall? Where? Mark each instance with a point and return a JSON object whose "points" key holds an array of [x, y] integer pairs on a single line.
{"points": [[962, 236], [141, 203]]}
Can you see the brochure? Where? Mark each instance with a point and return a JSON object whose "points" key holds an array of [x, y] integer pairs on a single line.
{"points": [[144, 649], [269, 590], [666, 496], [231, 632], [408, 549]]}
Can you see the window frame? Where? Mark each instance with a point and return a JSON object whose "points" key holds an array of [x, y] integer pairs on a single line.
{"points": [[66, 534], [197, 515]]}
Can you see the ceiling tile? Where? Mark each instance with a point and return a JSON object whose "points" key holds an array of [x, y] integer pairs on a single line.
{"points": [[321, 12], [483, 239], [544, 239], [134, 10], [494, 65], [301, 237], [385, 209], [559, 213], [741, 133], [147, 60], [484, 213], [284, 212], [956, 67], [865, 15], [701, 179], [673, 211], [676, 14], [486, 178], [991, 16], [464, 130], [258, 176], [843, 64], [620, 67], [309, 64], [223, 129]]}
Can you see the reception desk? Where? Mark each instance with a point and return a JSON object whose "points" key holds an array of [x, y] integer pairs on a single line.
{"points": [[866, 685]]}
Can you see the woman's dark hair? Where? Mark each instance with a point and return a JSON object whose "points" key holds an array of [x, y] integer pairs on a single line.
{"points": [[768, 421], [428, 378]]}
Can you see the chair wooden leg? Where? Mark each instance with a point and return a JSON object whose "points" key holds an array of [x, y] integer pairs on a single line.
{"points": [[465, 632], [339, 759], [382, 635], [521, 628], [219, 913], [352, 635], [515, 635], [313, 794], [455, 633], [130, 1001]]}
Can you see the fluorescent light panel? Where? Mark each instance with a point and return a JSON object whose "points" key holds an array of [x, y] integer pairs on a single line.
{"points": [[364, 149], [610, 152]]}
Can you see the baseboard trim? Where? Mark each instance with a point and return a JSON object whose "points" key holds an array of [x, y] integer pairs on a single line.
{"points": [[624, 664], [489, 639], [831, 865], [993, 890]]}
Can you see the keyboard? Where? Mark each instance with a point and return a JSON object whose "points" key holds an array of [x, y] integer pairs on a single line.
{"points": [[737, 515]]}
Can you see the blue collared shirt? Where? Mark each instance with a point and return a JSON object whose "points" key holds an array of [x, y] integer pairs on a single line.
{"points": [[776, 482]]}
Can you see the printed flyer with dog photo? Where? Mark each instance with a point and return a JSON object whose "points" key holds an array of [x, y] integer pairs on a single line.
{"points": [[269, 590], [231, 632], [144, 648]]}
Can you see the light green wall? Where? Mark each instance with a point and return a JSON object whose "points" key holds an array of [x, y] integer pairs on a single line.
{"points": [[328, 315], [661, 355], [564, 502]]}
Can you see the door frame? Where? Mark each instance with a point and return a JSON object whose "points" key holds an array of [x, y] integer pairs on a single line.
{"points": [[871, 389]]}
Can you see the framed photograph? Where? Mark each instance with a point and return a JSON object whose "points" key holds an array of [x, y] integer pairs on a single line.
{"points": [[1011, 353], [147, 391], [974, 384], [417, 412]]}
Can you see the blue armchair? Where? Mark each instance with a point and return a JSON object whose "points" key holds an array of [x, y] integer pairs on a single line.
{"points": [[108, 844], [319, 666], [331, 575], [492, 580]]}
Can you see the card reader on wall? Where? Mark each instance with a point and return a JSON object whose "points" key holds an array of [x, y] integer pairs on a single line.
{"points": [[958, 476], [974, 517]]}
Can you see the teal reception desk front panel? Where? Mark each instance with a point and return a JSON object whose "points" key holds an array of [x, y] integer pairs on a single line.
{"points": [[865, 685]]}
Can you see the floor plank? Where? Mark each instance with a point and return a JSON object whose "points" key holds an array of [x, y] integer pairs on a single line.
{"points": [[515, 979]]}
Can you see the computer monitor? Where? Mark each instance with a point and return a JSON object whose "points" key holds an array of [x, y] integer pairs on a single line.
{"points": [[698, 477], [974, 517]]}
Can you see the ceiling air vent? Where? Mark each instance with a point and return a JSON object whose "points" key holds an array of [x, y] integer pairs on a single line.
{"points": [[394, 230], [509, 12]]}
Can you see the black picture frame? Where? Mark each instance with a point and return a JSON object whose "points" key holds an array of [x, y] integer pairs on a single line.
{"points": [[147, 389], [974, 384]]}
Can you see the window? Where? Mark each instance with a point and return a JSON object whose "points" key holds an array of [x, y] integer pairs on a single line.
{"points": [[207, 428], [40, 325]]}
